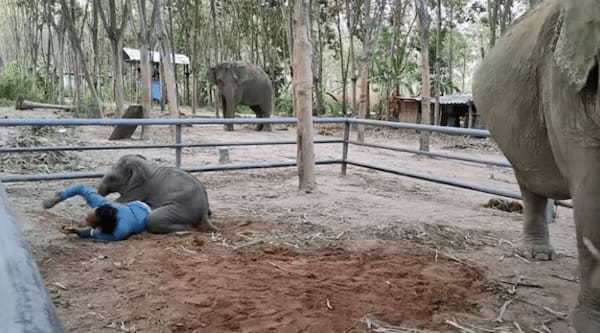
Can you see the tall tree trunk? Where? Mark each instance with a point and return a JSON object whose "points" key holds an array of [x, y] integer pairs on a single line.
{"points": [[451, 47], [343, 67], [302, 81], [115, 32], [146, 72], [424, 22], [371, 38], [166, 58], [438, 77], [350, 21], [493, 6], [95, 51], [95, 110], [117, 67]]}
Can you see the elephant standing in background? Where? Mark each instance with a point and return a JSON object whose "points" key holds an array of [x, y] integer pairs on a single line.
{"points": [[539, 91], [178, 200], [245, 84]]}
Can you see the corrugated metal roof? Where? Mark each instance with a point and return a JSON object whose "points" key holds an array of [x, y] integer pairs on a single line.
{"points": [[448, 99], [456, 99], [134, 55]]}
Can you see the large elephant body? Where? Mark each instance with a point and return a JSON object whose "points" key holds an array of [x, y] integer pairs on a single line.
{"points": [[538, 90], [245, 84], [178, 200]]}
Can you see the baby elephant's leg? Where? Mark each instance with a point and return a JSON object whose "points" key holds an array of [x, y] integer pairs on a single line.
{"points": [[164, 220]]}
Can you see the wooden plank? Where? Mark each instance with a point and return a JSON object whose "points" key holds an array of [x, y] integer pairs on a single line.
{"points": [[120, 132]]}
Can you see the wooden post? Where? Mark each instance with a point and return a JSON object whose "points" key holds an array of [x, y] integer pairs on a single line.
{"points": [[178, 149], [187, 84], [470, 115], [345, 147], [303, 84]]}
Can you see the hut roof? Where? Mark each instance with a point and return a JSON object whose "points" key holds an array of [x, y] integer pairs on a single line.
{"points": [[133, 55], [447, 99], [456, 99]]}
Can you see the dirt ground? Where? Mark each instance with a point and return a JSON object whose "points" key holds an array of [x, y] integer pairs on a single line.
{"points": [[368, 252]]}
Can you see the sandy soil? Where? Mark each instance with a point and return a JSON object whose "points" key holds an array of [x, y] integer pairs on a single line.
{"points": [[366, 248]]}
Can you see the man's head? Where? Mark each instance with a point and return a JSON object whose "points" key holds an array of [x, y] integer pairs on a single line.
{"points": [[103, 217]]}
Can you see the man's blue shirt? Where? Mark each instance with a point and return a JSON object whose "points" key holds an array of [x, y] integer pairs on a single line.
{"points": [[131, 217]]}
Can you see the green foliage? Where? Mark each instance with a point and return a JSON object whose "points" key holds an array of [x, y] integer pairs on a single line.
{"points": [[6, 102], [16, 83], [284, 104], [333, 108]]}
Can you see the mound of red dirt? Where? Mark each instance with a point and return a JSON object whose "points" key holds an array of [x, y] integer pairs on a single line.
{"points": [[193, 284]]}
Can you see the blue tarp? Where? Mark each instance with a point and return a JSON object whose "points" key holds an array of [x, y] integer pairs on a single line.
{"points": [[156, 90]]}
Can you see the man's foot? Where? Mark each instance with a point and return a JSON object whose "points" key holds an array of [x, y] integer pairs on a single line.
{"points": [[51, 202]]}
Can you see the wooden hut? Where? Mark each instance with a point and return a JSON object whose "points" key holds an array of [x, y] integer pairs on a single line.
{"points": [[132, 57], [457, 110]]}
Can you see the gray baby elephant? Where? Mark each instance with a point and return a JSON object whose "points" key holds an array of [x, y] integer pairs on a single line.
{"points": [[178, 200]]}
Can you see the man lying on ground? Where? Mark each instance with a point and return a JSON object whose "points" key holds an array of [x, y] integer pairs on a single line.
{"points": [[109, 221]]}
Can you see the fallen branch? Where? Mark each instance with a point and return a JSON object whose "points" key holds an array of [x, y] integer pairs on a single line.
{"points": [[518, 327], [380, 327], [503, 310], [521, 284], [461, 328], [557, 314], [574, 280]]}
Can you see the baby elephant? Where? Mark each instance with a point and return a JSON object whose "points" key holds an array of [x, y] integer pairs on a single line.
{"points": [[178, 200]]}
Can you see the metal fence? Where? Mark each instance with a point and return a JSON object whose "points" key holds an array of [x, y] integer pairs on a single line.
{"points": [[26, 306], [178, 145]]}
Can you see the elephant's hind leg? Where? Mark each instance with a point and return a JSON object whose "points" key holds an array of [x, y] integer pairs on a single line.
{"points": [[261, 113], [165, 220], [536, 240]]}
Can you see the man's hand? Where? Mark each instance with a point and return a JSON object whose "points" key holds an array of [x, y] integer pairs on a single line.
{"points": [[68, 230]]}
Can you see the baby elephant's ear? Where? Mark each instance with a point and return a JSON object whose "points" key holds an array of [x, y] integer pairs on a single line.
{"points": [[137, 174], [577, 50]]}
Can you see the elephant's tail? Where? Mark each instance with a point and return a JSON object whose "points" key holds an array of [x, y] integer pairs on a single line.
{"points": [[209, 213]]}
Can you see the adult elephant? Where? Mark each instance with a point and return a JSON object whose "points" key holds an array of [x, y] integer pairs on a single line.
{"points": [[538, 90], [178, 200], [245, 84]]}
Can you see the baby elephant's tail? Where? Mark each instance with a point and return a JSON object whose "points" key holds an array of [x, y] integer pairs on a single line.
{"points": [[205, 225]]}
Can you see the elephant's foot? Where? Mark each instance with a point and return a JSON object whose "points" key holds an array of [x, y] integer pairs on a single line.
{"points": [[264, 128], [228, 127], [206, 226], [536, 249], [51, 202], [585, 320]]}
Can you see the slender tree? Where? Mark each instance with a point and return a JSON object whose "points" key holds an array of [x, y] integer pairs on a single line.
{"points": [[373, 22], [422, 10], [168, 63], [67, 11], [115, 31], [438, 76], [146, 37], [302, 82]]}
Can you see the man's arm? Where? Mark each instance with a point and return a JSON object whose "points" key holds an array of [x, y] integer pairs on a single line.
{"points": [[96, 235]]}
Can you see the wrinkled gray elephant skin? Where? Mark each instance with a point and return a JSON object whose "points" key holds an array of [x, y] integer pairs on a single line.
{"points": [[538, 91], [245, 84], [178, 200]]}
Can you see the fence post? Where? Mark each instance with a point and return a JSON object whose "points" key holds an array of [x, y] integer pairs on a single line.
{"points": [[345, 147], [178, 149]]}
